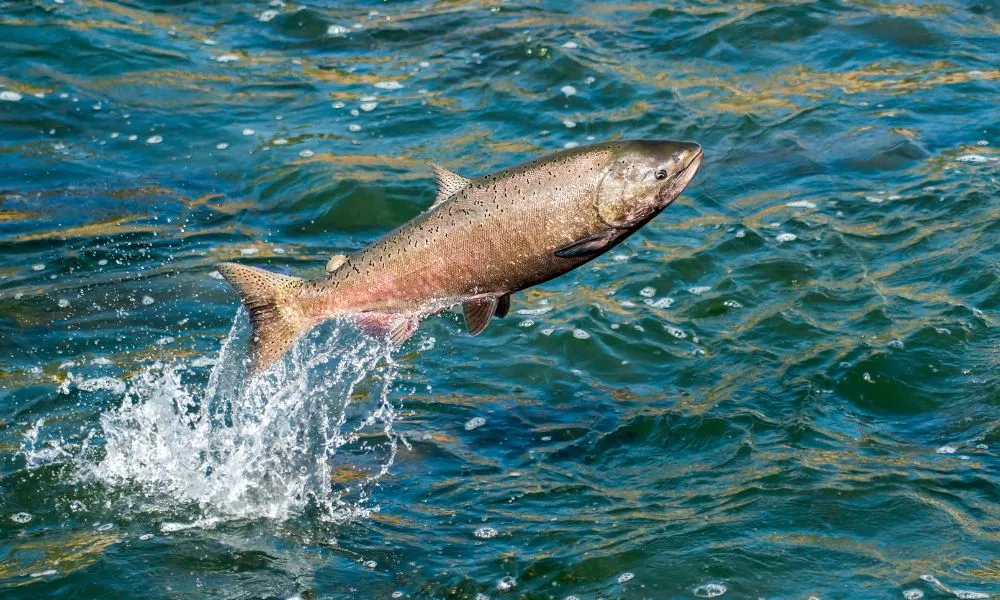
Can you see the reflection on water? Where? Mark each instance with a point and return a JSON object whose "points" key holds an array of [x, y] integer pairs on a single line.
{"points": [[785, 386]]}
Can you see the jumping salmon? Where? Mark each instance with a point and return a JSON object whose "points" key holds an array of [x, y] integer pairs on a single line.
{"points": [[482, 240]]}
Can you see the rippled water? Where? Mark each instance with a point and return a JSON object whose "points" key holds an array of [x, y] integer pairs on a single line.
{"points": [[785, 386]]}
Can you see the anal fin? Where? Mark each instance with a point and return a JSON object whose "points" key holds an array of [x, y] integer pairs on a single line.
{"points": [[394, 328]]}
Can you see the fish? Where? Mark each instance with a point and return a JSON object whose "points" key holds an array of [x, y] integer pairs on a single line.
{"points": [[482, 240]]}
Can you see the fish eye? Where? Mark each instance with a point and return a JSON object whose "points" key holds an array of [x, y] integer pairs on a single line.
{"points": [[661, 174]]}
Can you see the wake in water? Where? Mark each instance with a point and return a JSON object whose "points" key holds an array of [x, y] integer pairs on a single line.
{"points": [[314, 433]]}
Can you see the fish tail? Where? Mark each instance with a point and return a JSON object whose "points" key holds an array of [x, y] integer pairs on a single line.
{"points": [[276, 317]]}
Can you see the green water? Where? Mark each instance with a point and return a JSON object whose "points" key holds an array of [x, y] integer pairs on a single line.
{"points": [[785, 386]]}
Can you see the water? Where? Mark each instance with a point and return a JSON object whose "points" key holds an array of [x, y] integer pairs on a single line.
{"points": [[785, 386]]}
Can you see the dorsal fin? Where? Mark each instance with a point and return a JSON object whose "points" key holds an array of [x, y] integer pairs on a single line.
{"points": [[336, 261], [478, 312], [449, 183]]}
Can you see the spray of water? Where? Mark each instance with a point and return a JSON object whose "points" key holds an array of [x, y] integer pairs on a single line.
{"points": [[314, 433]]}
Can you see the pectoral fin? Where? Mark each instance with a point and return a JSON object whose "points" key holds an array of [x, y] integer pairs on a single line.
{"points": [[478, 312], [589, 246]]}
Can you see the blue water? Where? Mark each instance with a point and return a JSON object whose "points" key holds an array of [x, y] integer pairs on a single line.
{"points": [[785, 386]]}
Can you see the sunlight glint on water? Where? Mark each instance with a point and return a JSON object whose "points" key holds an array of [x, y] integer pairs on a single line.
{"points": [[260, 448]]}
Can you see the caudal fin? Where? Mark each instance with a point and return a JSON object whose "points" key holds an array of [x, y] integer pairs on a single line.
{"points": [[276, 318]]}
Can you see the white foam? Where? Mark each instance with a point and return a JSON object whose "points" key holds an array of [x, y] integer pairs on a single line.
{"points": [[337, 30], [974, 158], [154, 139], [665, 302], [248, 131], [710, 590], [474, 423], [306, 153], [785, 237], [221, 146], [625, 577], [368, 106], [699, 289], [227, 58], [21, 517], [354, 127], [147, 300], [388, 85], [506, 584], [800, 204], [485, 533], [647, 292], [568, 90], [568, 123], [675, 331], [947, 450], [10, 96], [263, 448], [267, 16], [570, 45], [580, 334], [913, 594]]}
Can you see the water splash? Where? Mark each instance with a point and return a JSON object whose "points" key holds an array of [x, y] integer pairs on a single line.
{"points": [[313, 434]]}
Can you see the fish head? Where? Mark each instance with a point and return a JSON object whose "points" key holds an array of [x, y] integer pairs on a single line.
{"points": [[642, 178]]}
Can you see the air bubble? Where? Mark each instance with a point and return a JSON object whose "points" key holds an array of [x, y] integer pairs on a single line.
{"points": [[21, 517]]}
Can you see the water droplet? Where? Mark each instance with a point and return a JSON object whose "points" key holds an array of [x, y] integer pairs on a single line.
{"points": [[474, 423], [369, 106]]}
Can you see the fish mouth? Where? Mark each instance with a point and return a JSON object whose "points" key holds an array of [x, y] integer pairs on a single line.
{"points": [[673, 188]]}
